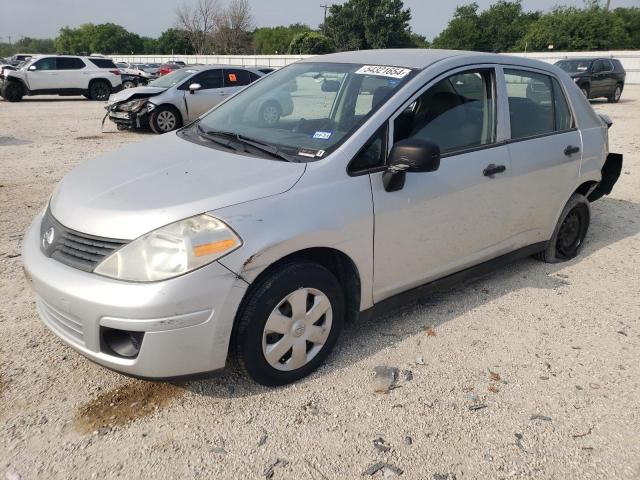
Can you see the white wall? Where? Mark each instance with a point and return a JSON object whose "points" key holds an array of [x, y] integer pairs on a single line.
{"points": [[630, 59]]}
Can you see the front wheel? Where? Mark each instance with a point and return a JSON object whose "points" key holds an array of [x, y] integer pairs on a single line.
{"points": [[164, 119], [570, 232], [289, 323], [12, 92], [585, 91]]}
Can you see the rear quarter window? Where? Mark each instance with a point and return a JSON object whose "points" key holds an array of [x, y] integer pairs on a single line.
{"points": [[103, 62]]}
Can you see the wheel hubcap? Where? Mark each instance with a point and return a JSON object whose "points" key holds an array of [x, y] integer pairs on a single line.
{"points": [[297, 329], [166, 121], [270, 115]]}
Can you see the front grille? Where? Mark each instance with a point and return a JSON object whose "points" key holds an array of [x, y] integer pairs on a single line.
{"points": [[61, 323], [75, 249]]}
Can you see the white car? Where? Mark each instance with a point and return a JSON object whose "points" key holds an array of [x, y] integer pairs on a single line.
{"points": [[94, 77]]}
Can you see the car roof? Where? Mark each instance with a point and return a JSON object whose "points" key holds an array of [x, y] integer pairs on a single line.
{"points": [[213, 66], [418, 58]]}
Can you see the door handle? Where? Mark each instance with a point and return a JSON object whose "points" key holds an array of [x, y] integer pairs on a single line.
{"points": [[570, 150], [492, 169]]}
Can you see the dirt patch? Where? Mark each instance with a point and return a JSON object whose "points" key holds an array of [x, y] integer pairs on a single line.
{"points": [[90, 137], [124, 404]]}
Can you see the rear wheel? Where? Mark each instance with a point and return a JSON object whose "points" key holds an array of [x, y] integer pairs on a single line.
{"points": [[615, 96], [289, 324], [270, 113], [164, 119], [570, 232], [99, 90], [13, 92]]}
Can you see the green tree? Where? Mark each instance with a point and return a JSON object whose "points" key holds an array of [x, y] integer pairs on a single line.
{"points": [[569, 28], [28, 45], [463, 31], [366, 24], [106, 38], [268, 41], [310, 43], [631, 19], [176, 41], [497, 29]]}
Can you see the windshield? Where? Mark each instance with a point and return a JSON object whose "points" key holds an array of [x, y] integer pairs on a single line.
{"points": [[574, 66], [172, 79], [307, 109]]}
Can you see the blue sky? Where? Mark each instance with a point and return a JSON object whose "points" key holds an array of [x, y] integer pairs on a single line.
{"points": [[43, 18]]}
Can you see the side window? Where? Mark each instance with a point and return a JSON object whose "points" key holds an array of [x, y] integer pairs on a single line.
{"points": [[236, 78], [373, 154], [608, 66], [253, 77], [70, 63], [46, 64], [563, 118], [208, 79], [598, 66], [456, 113], [537, 104]]}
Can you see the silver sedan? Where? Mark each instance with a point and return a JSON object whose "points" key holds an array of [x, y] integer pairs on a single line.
{"points": [[260, 237]]}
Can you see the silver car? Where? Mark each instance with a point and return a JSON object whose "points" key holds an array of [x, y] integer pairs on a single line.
{"points": [[397, 170], [178, 98]]}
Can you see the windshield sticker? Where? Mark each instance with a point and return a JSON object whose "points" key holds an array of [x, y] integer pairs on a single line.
{"points": [[392, 72], [322, 135], [307, 152]]}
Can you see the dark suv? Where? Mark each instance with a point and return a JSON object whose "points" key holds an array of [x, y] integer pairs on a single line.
{"points": [[596, 77]]}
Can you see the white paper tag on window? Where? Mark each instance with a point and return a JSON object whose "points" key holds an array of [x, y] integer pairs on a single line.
{"points": [[381, 71]]}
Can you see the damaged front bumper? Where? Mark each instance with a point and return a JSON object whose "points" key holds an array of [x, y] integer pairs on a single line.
{"points": [[610, 174], [127, 119]]}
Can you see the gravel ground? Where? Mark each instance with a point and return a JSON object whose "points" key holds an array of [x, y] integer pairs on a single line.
{"points": [[532, 372]]}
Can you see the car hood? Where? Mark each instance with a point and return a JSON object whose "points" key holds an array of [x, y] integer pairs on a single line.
{"points": [[133, 93], [141, 187]]}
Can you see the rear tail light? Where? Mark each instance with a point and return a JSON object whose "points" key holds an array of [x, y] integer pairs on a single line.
{"points": [[115, 72]]}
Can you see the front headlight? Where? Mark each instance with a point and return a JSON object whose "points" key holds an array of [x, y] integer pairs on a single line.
{"points": [[133, 106], [576, 79], [171, 251]]}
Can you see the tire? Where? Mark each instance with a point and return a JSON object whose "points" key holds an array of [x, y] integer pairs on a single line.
{"points": [[570, 232], [615, 96], [128, 84], [585, 91], [271, 304], [164, 119], [270, 113], [13, 92], [99, 91]]}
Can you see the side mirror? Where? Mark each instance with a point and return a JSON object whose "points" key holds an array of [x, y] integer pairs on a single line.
{"points": [[194, 87], [411, 155], [33, 67], [330, 86]]}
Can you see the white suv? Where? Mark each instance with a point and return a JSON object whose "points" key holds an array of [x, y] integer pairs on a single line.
{"points": [[94, 77]]}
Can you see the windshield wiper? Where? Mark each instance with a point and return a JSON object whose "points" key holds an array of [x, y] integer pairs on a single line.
{"points": [[210, 138], [257, 144]]}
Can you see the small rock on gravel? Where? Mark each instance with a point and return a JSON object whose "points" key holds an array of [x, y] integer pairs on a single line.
{"points": [[540, 417], [381, 445], [269, 469], [419, 361], [384, 379], [408, 440]]}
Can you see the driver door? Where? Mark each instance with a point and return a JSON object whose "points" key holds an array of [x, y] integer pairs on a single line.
{"points": [[209, 95], [444, 221], [44, 75]]}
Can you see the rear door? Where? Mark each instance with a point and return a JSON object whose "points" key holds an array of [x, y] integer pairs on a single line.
{"points": [[443, 221], [545, 150], [70, 73], [235, 80], [43, 74], [210, 94]]}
